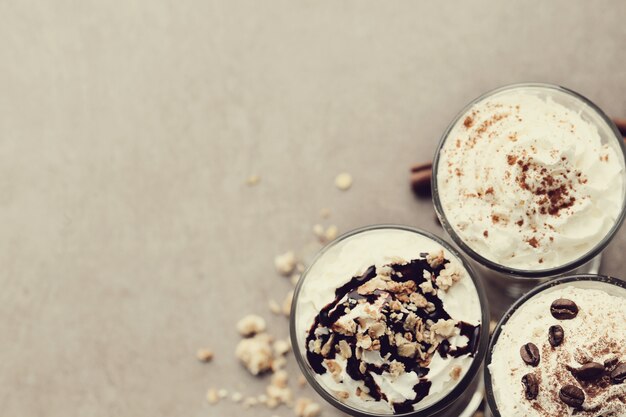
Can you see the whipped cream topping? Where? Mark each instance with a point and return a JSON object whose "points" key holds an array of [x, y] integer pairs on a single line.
{"points": [[597, 334], [527, 182], [382, 329]]}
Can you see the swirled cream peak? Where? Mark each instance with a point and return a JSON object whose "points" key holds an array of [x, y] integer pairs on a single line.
{"points": [[388, 321], [527, 182]]}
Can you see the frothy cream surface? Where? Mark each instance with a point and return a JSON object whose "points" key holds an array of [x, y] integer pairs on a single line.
{"points": [[527, 182]]}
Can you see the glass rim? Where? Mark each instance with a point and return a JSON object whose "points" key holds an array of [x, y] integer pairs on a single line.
{"points": [[489, 395], [458, 389], [517, 272]]}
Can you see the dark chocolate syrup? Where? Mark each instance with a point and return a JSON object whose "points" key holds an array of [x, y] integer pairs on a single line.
{"points": [[412, 271]]}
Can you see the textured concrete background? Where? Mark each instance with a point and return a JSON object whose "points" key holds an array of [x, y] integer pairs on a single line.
{"points": [[128, 128]]}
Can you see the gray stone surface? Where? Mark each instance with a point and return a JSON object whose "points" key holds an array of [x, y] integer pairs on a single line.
{"points": [[127, 130]]}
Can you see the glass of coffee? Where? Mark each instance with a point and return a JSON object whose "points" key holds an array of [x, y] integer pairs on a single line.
{"points": [[561, 350], [529, 180], [390, 320]]}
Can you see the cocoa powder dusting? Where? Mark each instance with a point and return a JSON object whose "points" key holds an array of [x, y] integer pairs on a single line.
{"points": [[533, 242], [552, 191]]}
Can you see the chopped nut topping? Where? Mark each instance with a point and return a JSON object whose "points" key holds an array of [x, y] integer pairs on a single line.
{"points": [[418, 299], [328, 346], [450, 274], [427, 287], [455, 373], [344, 349], [363, 341], [444, 328], [407, 350], [342, 395], [377, 329], [250, 325], [435, 259]]}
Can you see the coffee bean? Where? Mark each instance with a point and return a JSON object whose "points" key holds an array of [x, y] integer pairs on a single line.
{"points": [[555, 335], [618, 375], [572, 396], [530, 354], [610, 364], [564, 309], [588, 372], [531, 386]]}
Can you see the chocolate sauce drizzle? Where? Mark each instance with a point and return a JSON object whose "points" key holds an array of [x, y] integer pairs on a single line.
{"points": [[347, 296]]}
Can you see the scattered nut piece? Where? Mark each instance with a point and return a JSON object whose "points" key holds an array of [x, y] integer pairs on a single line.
{"points": [[301, 381], [343, 181], [295, 278], [318, 231], [306, 408], [331, 233], [204, 355], [455, 373], [236, 397], [279, 379], [274, 307], [212, 397], [253, 180], [282, 347], [285, 263], [279, 395], [249, 402], [287, 303], [256, 353], [325, 213], [250, 325], [279, 363]]}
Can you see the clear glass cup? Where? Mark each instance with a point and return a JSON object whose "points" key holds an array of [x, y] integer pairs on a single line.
{"points": [[610, 285], [505, 283], [461, 401]]}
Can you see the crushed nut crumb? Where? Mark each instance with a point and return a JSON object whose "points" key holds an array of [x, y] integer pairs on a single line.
{"points": [[212, 397], [256, 353], [343, 181], [285, 263], [250, 325], [204, 355], [253, 180]]}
